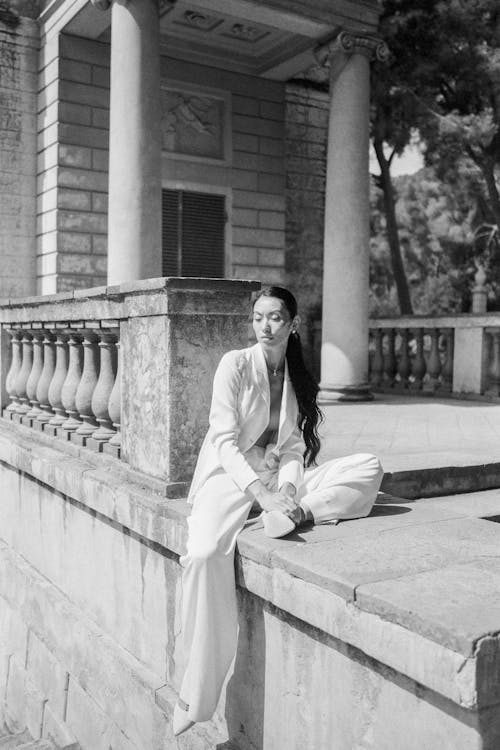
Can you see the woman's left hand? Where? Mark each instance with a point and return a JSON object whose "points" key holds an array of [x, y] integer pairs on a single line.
{"points": [[290, 492]]}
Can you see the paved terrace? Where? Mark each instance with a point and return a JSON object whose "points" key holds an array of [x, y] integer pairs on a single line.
{"points": [[428, 445]]}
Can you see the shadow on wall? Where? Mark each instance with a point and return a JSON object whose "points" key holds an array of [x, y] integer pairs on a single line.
{"points": [[245, 695]]}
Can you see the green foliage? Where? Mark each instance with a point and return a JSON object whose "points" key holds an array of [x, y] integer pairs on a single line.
{"points": [[436, 229], [443, 79]]}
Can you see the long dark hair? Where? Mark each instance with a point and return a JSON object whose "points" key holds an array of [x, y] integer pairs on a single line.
{"points": [[305, 386]]}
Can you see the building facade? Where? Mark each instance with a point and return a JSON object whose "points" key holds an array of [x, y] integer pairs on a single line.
{"points": [[187, 139]]}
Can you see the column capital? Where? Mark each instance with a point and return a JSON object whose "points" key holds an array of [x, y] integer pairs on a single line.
{"points": [[347, 44]]}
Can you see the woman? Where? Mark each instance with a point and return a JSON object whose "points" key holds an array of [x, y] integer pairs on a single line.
{"points": [[263, 431]]}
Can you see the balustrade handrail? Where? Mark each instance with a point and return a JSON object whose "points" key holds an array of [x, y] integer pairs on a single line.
{"points": [[458, 320], [446, 353]]}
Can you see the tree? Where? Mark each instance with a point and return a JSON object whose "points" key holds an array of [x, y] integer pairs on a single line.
{"points": [[396, 113]]}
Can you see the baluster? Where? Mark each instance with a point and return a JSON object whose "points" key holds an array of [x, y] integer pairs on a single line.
{"points": [[494, 364], [56, 385], [42, 389], [70, 386], [447, 371], [15, 365], [390, 363], [419, 367], [23, 375], [404, 365], [34, 378], [113, 447], [86, 388], [378, 358], [103, 389], [434, 364]]}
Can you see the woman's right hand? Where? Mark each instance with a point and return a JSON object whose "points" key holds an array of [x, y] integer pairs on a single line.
{"points": [[271, 500]]}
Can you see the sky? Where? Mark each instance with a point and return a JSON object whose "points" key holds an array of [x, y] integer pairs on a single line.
{"points": [[409, 162]]}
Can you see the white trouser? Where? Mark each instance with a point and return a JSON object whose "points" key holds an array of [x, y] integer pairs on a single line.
{"points": [[338, 489]]}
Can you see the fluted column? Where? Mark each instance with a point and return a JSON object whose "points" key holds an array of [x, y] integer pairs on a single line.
{"points": [[103, 389], [70, 386], [15, 365], [134, 210], [344, 350]]}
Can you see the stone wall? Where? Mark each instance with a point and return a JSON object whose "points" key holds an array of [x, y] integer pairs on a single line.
{"points": [[73, 163], [19, 40], [89, 624], [306, 121]]}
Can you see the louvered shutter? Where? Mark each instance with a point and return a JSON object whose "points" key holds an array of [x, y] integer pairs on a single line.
{"points": [[193, 226], [203, 220], [170, 233]]}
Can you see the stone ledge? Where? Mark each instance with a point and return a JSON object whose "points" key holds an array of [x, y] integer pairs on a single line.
{"points": [[352, 581], [161, 296]]}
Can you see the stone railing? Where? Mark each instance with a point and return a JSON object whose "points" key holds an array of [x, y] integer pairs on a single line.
{"points": [[121, 370], [64, 379], [458, 354]]}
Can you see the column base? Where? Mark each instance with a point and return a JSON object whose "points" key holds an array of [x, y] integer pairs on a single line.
{"points": [[333, 394]]}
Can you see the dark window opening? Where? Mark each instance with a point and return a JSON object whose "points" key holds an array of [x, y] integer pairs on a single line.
{"points": [[193, 226]]}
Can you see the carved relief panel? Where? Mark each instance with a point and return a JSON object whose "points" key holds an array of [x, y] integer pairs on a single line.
{"points": [[194, 124]]}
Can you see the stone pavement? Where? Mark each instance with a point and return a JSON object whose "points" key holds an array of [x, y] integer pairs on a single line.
{"points": [[456, 441]]}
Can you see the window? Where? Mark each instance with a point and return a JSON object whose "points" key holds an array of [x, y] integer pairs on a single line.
{"points": [[193, 234]]}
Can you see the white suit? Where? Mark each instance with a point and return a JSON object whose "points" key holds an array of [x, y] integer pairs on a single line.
{"points": [[227, 464]]}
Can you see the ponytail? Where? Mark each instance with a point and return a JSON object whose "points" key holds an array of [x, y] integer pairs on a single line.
{"points": [[305, 386], [306, 391]]}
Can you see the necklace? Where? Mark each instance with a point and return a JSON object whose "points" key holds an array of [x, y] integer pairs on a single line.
{"points": [[275, 370]]}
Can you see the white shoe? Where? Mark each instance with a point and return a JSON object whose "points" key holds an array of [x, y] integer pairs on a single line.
{"points": [[181, 721], [277, 524]]}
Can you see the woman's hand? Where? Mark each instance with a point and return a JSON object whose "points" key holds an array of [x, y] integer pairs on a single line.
{"points": [[271, 500]]}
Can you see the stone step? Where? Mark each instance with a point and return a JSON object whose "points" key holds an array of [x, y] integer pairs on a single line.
{"points": [[438, 481]]}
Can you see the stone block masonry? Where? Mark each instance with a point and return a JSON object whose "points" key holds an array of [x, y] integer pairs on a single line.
{"points": [[306, 144], [73, 166], [19, 40]]}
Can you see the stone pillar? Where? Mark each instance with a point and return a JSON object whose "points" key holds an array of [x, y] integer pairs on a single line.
{"points": [[134, 210], [344, 350]]}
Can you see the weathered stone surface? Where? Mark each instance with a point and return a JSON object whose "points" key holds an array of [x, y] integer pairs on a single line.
{"points": [[446, 605], [395, 553], [48, 674], [57, 732], [16, 694], [18, 156]]}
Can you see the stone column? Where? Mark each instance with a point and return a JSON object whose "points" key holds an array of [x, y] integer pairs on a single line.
{"points": [[344, 350], [134, 208]]}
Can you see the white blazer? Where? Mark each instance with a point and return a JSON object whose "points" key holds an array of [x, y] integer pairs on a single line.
{"points": [[239, 414]]}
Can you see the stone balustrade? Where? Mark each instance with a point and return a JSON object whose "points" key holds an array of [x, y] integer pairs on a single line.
{"points": [[61, 370], [446, 354], [61, 378]]}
